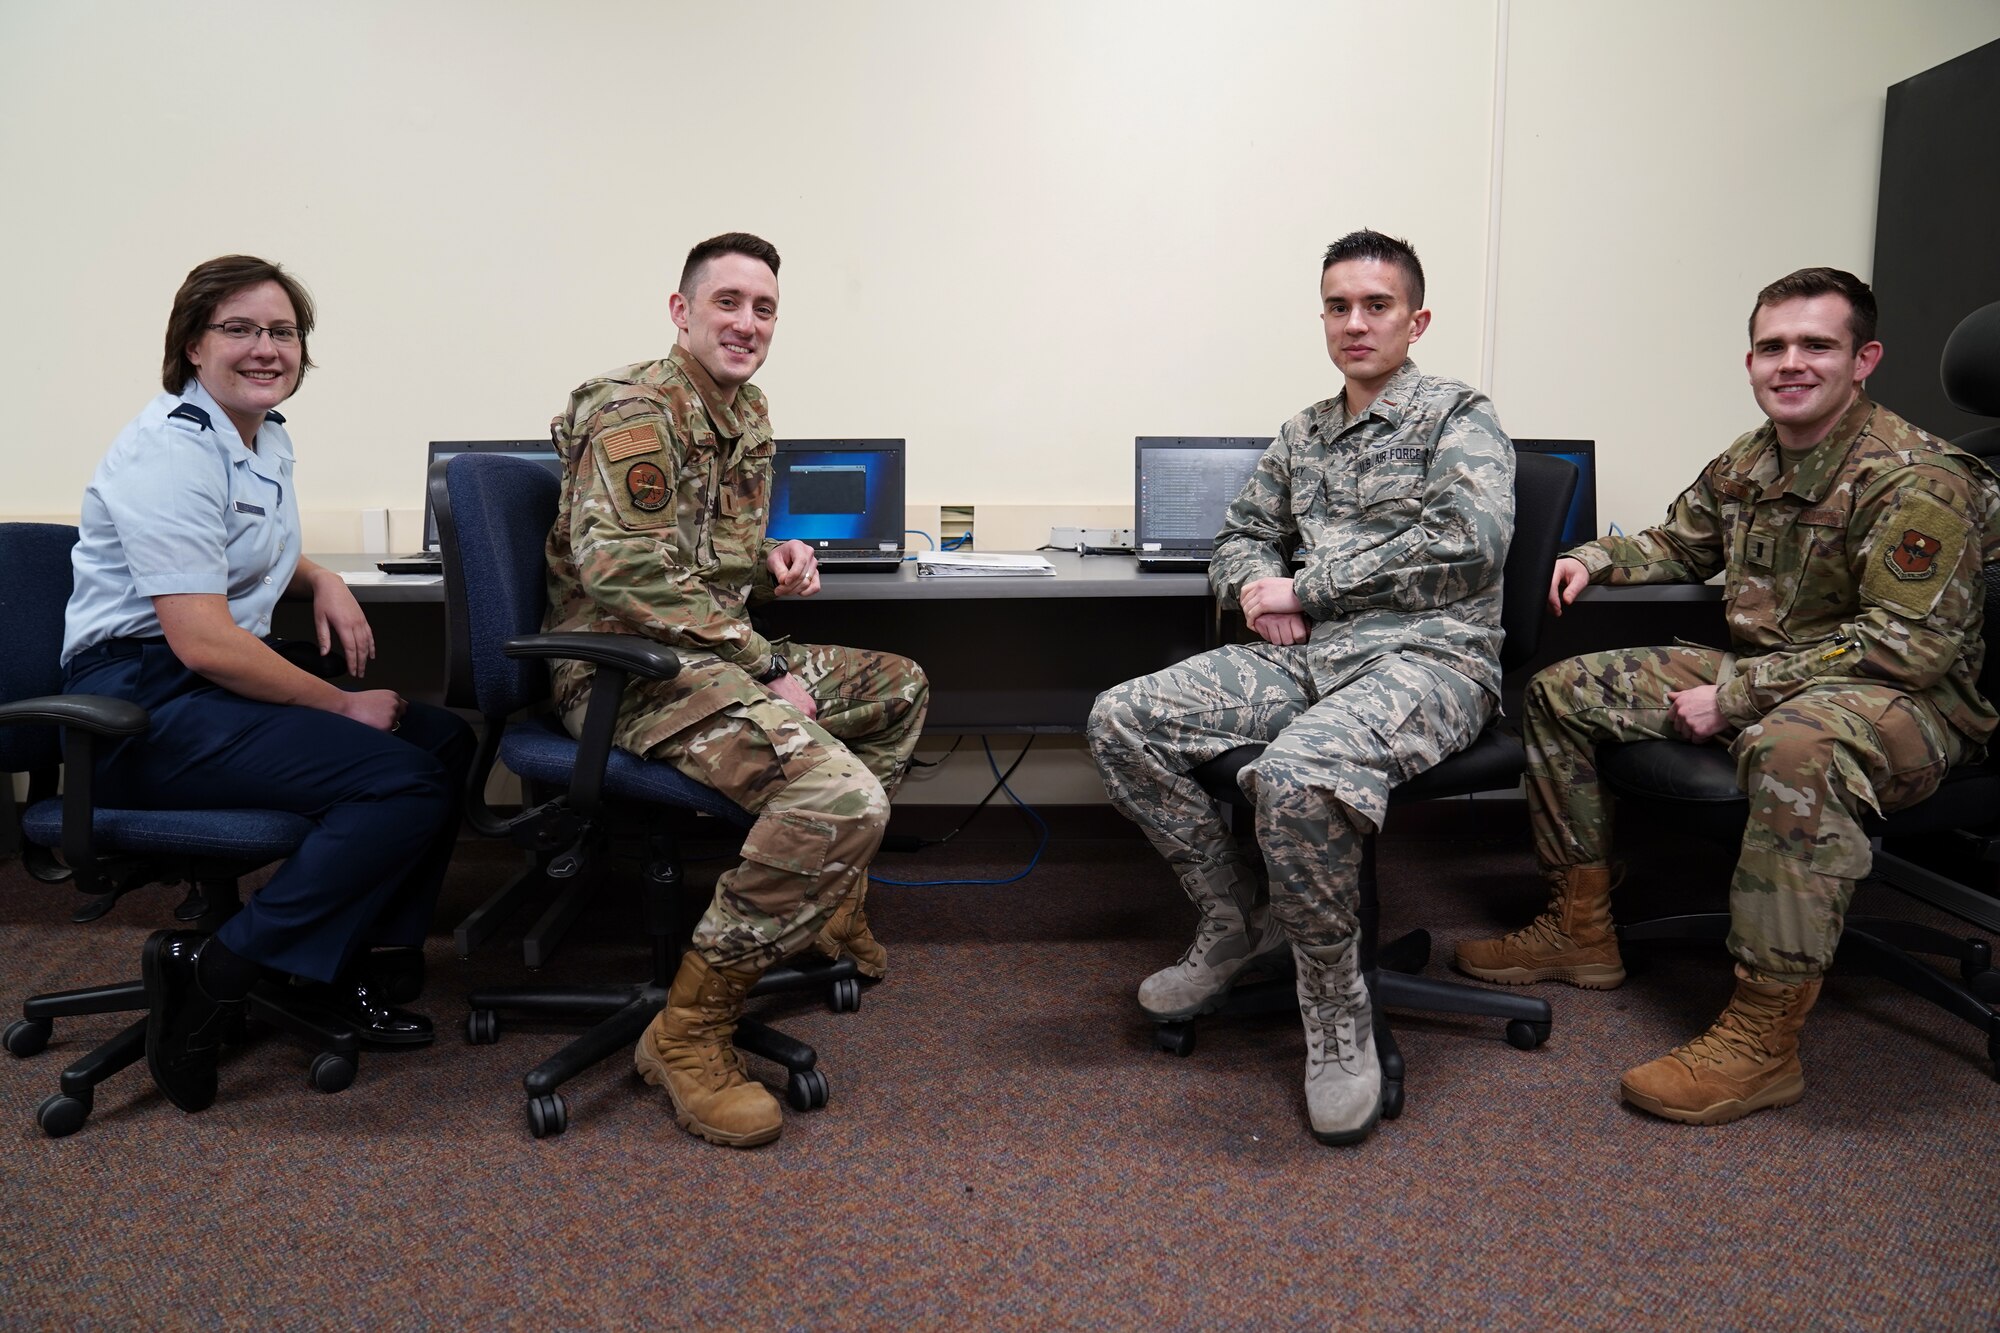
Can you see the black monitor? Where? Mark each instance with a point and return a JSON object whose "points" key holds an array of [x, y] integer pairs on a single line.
{"points": [[1581, 525]]}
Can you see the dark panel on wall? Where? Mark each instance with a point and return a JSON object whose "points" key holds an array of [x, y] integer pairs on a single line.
{"points": [[1937, 228]]}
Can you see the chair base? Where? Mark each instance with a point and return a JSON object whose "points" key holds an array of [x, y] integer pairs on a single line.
{"points": [[622, 1013], [1391, 983], [1876, 946], [335, 1047]]}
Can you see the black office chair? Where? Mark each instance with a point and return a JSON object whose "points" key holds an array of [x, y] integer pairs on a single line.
{"points": [[494, 513], [1698, 782], [107, 853], [1544, 485]]}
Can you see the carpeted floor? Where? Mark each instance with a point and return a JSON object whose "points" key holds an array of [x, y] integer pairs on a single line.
{"points": [[1006, 1148]]}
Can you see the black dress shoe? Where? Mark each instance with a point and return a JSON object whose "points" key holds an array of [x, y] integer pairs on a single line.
{"points": [[394, 972], [184, 1027], [374, 1020]]}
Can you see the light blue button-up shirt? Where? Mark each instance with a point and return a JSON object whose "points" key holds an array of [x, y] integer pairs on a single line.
{"points": [[180, 506]]}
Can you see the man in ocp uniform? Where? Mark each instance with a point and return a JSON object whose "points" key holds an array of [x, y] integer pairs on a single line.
{"points": [[1850, 543], [1365, 553], [661, 533]]}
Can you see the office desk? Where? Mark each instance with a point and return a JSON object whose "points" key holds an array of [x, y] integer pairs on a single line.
{"points": [[1015, 654]]}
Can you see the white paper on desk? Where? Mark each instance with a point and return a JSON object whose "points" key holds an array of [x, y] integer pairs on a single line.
{"points": [[360, 577], [977, 563]]}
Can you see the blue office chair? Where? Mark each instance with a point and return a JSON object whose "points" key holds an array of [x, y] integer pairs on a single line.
{"points": [[1698, 784], [494, 513], [1544, 485], [107, 853]]}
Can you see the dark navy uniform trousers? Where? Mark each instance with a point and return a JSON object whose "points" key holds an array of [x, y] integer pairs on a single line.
{"points": [[385, 806]]}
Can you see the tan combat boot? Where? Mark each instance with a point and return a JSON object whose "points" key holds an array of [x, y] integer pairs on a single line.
{"points": [[1343, 1073], [687, 1051], [846, 931], [1572, 941], [1747, 1061]]}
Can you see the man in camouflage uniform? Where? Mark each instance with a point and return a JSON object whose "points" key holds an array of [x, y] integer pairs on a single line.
{"points": [[1850, 544], [1365, 554], [661, 533]]}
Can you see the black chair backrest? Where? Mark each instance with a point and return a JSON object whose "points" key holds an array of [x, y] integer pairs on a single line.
{"points": [[493, 515], [35, 583], [1970, 371], [1544, 485]]}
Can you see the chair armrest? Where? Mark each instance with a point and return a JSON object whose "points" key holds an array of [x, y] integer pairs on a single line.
{"points": [[629, 652], [98, 714]]}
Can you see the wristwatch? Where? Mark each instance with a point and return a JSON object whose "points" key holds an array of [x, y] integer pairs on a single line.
{"points": [[777, 667]]}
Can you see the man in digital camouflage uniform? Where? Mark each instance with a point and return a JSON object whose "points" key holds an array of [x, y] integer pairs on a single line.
{"points": [[1365, 554], [1851, 545], [661, 533]]}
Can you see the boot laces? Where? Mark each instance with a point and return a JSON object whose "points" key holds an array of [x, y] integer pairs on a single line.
{"points": [[1736, 1034], [1212, 930], [1543, 935]]}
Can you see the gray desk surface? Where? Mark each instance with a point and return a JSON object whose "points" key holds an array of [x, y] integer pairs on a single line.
{"points": [[1076, 575]]}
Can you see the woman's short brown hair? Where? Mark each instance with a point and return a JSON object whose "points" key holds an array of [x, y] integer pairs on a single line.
{"points": [[208, 286]]}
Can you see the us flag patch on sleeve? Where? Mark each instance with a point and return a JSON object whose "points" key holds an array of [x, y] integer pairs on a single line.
{"points": [[630, 442]]}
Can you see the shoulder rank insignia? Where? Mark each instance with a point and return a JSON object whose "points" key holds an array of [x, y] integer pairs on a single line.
{"points": [[647, 485], [189, 412], [1914, 556]]}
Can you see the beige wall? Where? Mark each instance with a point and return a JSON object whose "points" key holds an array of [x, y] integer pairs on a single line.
{"points": [[1017, 235], [1661, 163]]}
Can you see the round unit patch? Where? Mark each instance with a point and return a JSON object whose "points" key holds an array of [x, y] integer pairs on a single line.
{"points": [[647, 486]]}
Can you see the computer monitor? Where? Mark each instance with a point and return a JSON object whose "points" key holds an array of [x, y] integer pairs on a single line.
{"points": [[1581, 524], [838, 495], [540, 451]]}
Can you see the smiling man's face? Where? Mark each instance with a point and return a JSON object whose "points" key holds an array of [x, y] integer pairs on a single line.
{"points": [[1804, 366], [727, 323]]}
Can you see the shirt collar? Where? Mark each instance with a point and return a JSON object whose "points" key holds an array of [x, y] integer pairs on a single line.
{"points": [[1815, 473], [274, 445], [723, 415], [1390, 404]]}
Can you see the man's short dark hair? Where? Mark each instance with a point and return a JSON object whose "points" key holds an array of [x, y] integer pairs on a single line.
{"points": [[1808, 282], [729, 243], [1366, 244], [208, 286]]}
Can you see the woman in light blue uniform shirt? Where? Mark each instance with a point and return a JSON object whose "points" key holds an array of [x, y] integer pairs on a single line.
{"points": [[189, 536]]}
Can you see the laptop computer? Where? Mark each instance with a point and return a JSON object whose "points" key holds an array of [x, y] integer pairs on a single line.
{"points": [[1183, 485], [844, 498], [430, 560], [1581, 524]]}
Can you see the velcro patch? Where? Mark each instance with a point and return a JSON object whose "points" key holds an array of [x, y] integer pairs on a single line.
{"points": [[1916, 555], [630, 442], [647, 485]]}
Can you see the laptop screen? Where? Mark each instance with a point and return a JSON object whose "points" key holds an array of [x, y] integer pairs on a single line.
{"points": [[1184, 485], [840, 495], [541, 451], [1581, 525]]}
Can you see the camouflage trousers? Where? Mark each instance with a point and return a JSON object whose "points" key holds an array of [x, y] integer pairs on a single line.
{"points": [[820, 791], [1320, 786], [1811, 766]]}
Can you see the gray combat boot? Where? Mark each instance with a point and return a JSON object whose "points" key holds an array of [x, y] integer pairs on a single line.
{"points": [[1343, 1076], [1227, 942]]}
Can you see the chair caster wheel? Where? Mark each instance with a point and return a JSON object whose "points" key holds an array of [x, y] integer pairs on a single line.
{"points": [[1978, 958], [1392, 1100], [482, 1027], [1175, 1038], [27, 1036], [1525, 1034], [807, 1090], [63, 1114], [548, 1115], [846, 996], [330, 1072]]}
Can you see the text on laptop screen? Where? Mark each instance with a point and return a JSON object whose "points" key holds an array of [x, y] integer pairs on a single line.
{"points": [[1184, 492], [847, 496]]}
